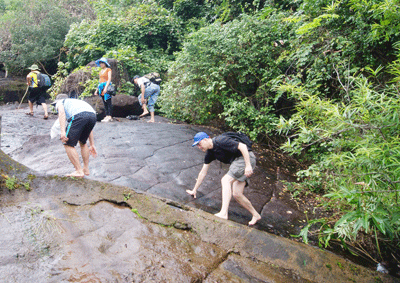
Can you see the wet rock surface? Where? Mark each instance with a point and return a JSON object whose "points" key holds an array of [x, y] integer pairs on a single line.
{"points": [[155, 158], [131, 219]]}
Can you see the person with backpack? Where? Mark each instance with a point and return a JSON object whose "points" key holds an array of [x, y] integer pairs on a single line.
{"points": [[36, 93], [233, 149], [149, 92], [103, 87], [77, 120]]}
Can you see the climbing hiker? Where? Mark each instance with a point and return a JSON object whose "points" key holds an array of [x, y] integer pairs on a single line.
{"points": [[233, 149], [102, 88], [36, 94], [149, 92], [81, 118]]}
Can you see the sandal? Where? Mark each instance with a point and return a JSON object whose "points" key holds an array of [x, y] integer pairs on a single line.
{"points": [[29, 113], [46, 117]]}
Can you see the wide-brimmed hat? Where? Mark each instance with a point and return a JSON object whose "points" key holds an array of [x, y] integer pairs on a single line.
{"points": [[102, 60], [199, 137], [34, 67]]}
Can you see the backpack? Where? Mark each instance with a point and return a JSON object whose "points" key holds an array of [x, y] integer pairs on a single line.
{"points": [[154, 78], [239, 137], [43, 81], [112, 89]]}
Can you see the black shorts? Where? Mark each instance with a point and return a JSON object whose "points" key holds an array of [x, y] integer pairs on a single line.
{"points": [[79, 128], [37, 94]]}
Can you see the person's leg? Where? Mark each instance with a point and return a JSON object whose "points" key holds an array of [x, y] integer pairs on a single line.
{"points": [[237, 189], [151, 117], [85, 157], [46, 114], [109, 109], [144, 105], [145, 111], [107, 118], [31, 100], [30, 107], [152, 101], [226, 183], [74, 158]]}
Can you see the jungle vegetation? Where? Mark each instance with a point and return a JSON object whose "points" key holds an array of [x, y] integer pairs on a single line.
{"points": [[317, 79]]}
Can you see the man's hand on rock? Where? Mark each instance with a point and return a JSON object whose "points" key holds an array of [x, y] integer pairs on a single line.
{"points": [[192, 193]]}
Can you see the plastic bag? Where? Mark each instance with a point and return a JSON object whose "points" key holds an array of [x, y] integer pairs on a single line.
{"points": [[55, 129]]}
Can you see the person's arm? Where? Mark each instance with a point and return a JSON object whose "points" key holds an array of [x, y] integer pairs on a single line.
{"points": [[200, 178], [142, 89], [62, 119], [92, 148], [248, 170], [28, 80]]}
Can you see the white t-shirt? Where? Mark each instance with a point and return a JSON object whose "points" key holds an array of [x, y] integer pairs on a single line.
{"points": [[74, 106], [143, 81]]}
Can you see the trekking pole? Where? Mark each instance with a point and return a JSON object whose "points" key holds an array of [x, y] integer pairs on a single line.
{"points": [[23, 97]]}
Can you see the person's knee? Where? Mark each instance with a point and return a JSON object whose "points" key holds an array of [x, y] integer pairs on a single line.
{"points": [[227, 179], [237, 195]]}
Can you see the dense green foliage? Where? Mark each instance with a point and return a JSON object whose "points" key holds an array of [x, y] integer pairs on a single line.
{"points": [[225, 70], [146, 29], [323, 75], [356, 151], [34, 32]]}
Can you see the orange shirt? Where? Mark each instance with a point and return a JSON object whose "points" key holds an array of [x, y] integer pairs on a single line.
{"points": [[104, 75]]}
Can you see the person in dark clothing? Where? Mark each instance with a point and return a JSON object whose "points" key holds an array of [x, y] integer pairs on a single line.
{"points": [[104, 82], [241, 160]]}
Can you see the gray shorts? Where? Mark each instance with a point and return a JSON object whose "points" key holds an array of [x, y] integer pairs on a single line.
{"points": [[236, 170]]}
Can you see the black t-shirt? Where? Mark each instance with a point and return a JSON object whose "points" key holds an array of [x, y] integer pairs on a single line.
{"points": [[224, 149]]}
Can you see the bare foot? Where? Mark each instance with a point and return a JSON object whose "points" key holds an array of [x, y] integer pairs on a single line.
{"points": [[150, 121], [144, 114], [76, 174], [221, 215], [191, 192], [86, 172], [255, 219]]}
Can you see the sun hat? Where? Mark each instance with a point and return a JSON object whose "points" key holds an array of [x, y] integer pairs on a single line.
{"points": [[102, 60], [33, 67], [199, 137]]}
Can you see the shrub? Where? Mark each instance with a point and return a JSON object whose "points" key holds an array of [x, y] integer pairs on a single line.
{"points": [[226, 69], [355, 147]]}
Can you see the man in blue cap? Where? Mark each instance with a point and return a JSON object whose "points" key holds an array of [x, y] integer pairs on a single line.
{"points": [[229, 150]]}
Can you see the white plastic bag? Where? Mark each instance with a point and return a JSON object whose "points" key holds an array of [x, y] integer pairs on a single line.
{"points": [[55, 129]]}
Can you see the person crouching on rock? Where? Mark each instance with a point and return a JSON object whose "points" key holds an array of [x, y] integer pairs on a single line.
{"points": [[148, 96], [241, 160], [104, 82], [36, 93], [81, 118]]}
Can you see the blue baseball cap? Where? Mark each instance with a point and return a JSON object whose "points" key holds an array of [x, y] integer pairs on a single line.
{"points": [[199, 137], [102, 60]]}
